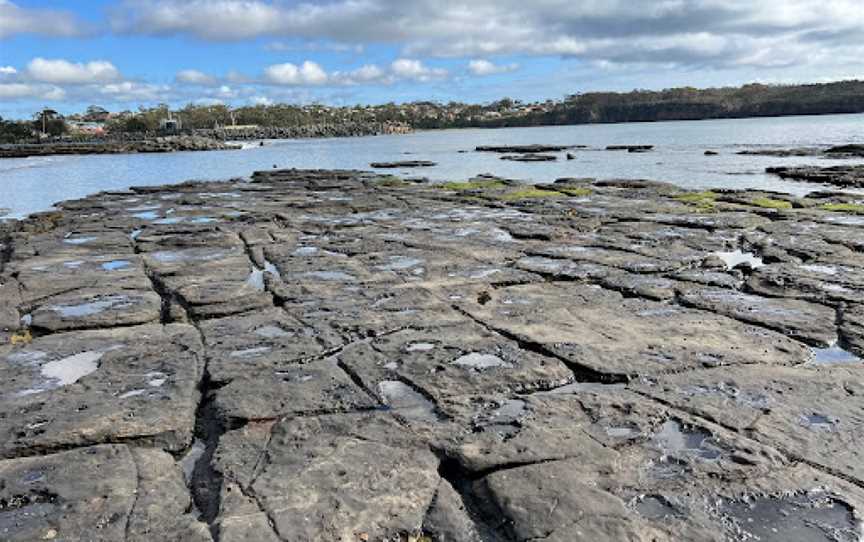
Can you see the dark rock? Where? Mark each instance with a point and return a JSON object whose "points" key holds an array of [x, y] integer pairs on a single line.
{"points": [[530, 158], [403, 164], [161, 144], [845, 176], [524, 149], [847, 150], [630, 148]]}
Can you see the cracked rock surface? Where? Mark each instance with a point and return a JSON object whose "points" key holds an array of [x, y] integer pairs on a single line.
{"points": [[342, 356]]}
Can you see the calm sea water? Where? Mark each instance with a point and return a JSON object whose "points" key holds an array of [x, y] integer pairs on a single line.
{"points": [[34, 184]]}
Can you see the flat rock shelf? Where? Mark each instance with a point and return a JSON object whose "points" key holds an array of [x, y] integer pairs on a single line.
{"points": [[343, 356]]}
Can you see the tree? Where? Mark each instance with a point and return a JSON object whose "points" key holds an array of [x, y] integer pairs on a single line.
{"points": [[49, 122], [96, 113]]}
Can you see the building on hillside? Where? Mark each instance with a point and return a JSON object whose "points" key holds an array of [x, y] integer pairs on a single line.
{"points": [[170, 125], [86, 128]]}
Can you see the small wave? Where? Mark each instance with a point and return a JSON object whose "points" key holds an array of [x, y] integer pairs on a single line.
{"points": [[11, 164], [246, 145]]}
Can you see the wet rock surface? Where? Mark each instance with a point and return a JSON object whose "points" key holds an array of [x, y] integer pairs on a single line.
{"points": [[402, 164], [332, 355], [843, 176], [157, 144]]}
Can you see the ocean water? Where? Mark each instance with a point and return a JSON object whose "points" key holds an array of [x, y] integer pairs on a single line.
{"points": [[35, 184]]}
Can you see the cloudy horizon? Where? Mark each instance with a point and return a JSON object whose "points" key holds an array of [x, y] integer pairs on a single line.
{"points": [[125, 53]]}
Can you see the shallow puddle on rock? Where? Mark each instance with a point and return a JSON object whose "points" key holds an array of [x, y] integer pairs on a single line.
{"points": [[256, 279], [406, 402], [400, 263], [146, 215], [174, 256], [622, 432], [755, 400], [305, 251], [478, 361], [75, 264], [814, 517], [821, 269], [335, 276], [654, 507], [191, 458], [135, 234], [170, 221], [114, 265], [250, 352], [78, 240], [676, 439], [504, 420], [69, 370], [819, 422], [738, 257], [833, 355], [271, 332], [93, 307], [141, 208]]}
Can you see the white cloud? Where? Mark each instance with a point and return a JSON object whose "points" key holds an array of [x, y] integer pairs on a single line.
{"points": [[17, 91], [7, 70], [414, 69], [369, 72], [683, 33], [60, 71], [309, 73], [17, 20], [483, 67], [131, 91], [260, 100], [195, 77]]}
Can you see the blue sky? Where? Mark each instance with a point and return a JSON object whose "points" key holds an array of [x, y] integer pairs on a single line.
{"points": [[126, 53]]}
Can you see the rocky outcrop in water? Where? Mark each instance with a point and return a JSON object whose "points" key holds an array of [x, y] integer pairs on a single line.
{"points": [[529, 157], [402, 164], [343, 129], [844, 176], [525, 149], [839, 151], [336, 355], [158, 144]]}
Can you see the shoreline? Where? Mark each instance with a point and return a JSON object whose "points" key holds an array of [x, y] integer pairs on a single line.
{"points": [[404, 360]]}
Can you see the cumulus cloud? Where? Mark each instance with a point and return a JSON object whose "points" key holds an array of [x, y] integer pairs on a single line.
{"points": [[60, 71], [132, 91], [682, 32], [260, 100], [414, 69], [309, 73], [20, 91], [7, 70], [49, 22], [483, 67], [195, 77]]}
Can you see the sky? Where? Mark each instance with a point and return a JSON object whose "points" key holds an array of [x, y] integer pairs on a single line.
{"points": [[121, 54]]}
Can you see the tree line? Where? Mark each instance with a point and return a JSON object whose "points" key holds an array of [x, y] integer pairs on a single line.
{"points": [[686, 103]]}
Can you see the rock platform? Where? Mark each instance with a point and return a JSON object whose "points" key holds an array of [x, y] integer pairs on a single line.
{"points": [[342, 356]]}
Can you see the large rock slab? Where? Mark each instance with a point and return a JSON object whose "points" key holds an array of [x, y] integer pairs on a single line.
{"points": [[809, 322], [339, 478], [813, 413], [599, 332], [88, 387], [102, 493]]}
